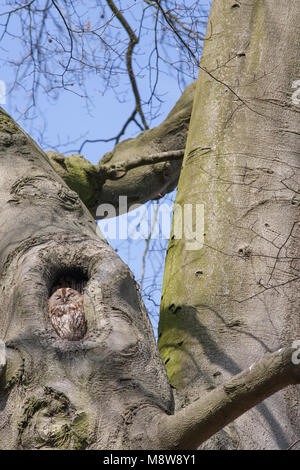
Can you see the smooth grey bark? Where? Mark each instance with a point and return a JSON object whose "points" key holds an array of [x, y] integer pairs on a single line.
{"points": [[144, 168], [193, 425], [240, 295], [55, 393]]}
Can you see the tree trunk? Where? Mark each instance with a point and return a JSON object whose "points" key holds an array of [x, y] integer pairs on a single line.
{"points": [[54, 393], [229, 302]]}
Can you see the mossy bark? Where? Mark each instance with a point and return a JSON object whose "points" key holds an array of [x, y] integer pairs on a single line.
{"points": [[148, 181], [97, 393], [236, 298]]}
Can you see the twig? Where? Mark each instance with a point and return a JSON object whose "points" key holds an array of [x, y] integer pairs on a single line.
{"points": [[197, 62], [148, 243], [18, 8], [69, 33], [118, 170], [117, 137], [292, 445], [133, 40]]}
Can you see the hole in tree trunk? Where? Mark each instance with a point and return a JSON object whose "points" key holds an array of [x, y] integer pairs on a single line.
{"points": [[65, 303], [74, 277]]}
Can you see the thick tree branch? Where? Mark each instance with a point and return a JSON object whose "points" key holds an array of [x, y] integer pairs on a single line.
{"points": [[143, 168], [193, 425]]}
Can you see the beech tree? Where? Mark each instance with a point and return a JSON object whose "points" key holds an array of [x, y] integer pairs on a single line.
{"points": [[229, 309]]}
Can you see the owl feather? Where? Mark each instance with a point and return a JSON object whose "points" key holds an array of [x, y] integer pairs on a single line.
{"points": [[66, 314]]}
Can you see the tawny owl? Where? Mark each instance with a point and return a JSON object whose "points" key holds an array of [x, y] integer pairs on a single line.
{"points": [[66, 313]]}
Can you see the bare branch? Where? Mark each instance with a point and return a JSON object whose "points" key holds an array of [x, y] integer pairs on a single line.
{"points": [[69, 33], [153, 170], [177, 33], [118, 170], [117, 138], [148, 243], [293, 445], [133, 40], [18, 8], [193, 425]]}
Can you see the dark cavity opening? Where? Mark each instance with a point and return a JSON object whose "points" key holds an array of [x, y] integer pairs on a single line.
{"points": [[76, 278]]}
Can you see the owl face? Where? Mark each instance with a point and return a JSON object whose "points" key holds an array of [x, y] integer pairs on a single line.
{"points": [[66, 313], [64, 296]]}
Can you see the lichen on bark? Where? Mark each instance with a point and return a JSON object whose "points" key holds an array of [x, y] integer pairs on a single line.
{"points": [[241, 163]]}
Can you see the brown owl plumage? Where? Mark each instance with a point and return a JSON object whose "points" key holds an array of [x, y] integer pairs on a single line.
{"points": [[66, 313]]}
